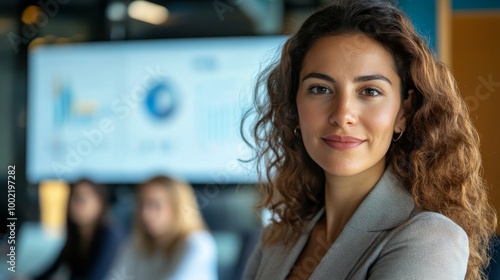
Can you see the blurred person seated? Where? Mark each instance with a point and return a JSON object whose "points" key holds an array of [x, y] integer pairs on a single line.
{"points": [[170, 239], [91, 243]]}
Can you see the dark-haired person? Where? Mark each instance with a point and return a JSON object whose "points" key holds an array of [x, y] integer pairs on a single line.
{"points": [[373, 168], [170, 239], [91, 244]]}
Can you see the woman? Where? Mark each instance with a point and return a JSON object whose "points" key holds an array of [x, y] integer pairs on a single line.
{"points": [[91, 243], [372, 166], [170, 238]]}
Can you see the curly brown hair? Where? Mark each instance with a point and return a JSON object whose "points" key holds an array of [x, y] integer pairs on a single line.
{"points": [[437, 158]]}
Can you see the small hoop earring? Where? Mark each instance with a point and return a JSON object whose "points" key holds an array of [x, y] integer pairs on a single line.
{"points": [[296, 131], [399, 136]]}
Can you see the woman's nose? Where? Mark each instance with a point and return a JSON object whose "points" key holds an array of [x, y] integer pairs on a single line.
{"points": [[342, 111]]}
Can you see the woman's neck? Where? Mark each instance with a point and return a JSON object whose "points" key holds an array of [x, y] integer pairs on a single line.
{"points": [[87, 231], [86, 235], [163, 240], [343, 195]]}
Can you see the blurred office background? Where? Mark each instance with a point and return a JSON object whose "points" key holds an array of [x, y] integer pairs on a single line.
{"points": [[186, 48]]}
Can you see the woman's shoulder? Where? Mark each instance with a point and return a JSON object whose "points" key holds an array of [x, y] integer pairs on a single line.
{"points": [[428, 244], [430, 227], [200, 239], [437, 222], [199, 250]]}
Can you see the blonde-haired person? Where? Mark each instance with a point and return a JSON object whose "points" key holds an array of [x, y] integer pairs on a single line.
{"points": [[170, 239], [372, 164]]}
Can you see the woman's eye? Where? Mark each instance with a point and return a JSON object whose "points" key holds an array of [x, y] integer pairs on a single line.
{"points": [[371, 92], [319, 90]]}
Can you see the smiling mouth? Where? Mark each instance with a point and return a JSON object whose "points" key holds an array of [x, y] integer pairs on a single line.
{"points": [[342, 142]]}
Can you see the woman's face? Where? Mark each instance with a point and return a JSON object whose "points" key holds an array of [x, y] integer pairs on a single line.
{"points": [[85, 205], [156, 210], [349, 104]]}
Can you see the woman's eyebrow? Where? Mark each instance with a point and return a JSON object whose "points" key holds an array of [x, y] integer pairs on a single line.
{"points": [[319, 76], [358, 79], [371, 78]]}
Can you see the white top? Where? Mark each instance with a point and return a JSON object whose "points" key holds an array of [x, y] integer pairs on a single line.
{"points": [[198, 260]]}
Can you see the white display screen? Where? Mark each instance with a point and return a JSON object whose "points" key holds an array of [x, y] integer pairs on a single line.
{"points": [[121, 112]]}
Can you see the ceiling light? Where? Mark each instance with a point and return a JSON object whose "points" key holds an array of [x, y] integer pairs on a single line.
{"points": [[29, 15], [148, 12]]}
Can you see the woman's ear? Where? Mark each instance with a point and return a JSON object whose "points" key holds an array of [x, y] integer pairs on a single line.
{"points": [[400, 124]]}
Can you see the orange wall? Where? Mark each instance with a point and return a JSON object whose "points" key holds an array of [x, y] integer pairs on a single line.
{"points": [[475, 60]]}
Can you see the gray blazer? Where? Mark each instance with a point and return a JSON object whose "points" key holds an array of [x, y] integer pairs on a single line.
{"points": [[388, 237]]}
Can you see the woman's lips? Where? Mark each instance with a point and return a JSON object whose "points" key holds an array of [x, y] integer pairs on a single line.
{"points": [[342, 142]]}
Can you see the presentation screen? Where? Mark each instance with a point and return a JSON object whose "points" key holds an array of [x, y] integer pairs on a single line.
{"points": [[121, 112]]}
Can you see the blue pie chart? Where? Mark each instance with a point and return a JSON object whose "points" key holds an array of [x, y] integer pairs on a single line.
{"points": [[161, 100]]}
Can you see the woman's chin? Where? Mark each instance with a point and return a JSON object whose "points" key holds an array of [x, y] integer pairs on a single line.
{"points": [[342, 170]]}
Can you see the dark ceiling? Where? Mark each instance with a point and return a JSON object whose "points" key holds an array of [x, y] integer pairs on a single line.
{"points": [[87, 20]]}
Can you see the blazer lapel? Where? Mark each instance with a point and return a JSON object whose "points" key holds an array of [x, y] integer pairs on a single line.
{"points": [[386, 206], [292, 256], [281, 258]]}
